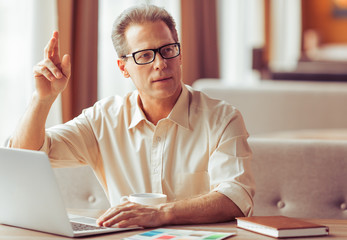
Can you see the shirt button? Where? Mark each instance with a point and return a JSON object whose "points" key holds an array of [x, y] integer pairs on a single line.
{"points": [[158, 139]]}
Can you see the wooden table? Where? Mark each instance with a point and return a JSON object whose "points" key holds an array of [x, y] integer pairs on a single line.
{"points": [[321, 134], [338, 230]]}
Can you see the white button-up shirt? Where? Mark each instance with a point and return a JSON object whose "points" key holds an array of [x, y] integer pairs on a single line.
{"points": [[200, 147]]}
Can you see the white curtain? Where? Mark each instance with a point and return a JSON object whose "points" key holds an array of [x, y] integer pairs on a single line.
{"points": [[110, 80], [240, 29], [285, 34], [25, 28]]}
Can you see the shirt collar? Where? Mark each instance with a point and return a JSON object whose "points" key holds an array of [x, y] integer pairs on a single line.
{"points": [[138, 115], [179, 113]]}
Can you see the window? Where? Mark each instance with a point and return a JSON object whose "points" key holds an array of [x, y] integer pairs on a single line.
{"points": [[240, 30], [25, 28]]}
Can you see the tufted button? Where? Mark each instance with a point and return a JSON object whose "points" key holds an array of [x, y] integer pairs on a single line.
{"points": [[91, 199], [343, 206], [280, 204]]}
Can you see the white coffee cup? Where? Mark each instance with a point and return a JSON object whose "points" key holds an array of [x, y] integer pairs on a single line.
{"points": [[145, 198]]}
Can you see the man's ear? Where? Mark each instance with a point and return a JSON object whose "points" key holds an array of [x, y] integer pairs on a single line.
{"points": [[121, 65]]}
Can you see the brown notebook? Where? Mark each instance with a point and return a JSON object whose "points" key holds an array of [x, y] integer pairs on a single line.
{"points": [[280, 226]]}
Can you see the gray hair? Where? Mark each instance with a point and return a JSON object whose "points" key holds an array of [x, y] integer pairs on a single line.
{"points": [[138, 15]]}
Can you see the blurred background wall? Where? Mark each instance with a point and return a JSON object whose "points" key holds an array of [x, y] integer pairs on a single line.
{"points": [[239, 42]]}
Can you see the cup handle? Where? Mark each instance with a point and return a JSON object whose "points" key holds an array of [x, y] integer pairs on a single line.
{"points": [[124, 199]]}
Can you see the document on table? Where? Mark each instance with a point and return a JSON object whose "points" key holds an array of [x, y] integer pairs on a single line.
{"points": [[178, 234]]}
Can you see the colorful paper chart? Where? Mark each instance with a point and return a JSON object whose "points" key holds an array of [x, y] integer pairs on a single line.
{"points": [[177, 234]]}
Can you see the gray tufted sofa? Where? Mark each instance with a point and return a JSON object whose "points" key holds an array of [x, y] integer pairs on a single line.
{"points": [[299, 178], [294, 177]]}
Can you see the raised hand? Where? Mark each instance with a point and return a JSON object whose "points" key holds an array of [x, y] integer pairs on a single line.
{"points": [[52, 73]]}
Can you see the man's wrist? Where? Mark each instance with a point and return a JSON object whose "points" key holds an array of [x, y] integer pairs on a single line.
{"points": [[48, 101], [167, 213]]}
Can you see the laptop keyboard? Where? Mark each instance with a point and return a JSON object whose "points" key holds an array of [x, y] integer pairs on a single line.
{"points": [[83, 227]]}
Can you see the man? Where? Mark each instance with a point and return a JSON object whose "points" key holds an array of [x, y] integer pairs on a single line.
{"points": [[165, 137]]}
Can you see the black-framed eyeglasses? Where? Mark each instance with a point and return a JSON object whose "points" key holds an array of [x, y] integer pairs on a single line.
{"points": [[146, 56]]}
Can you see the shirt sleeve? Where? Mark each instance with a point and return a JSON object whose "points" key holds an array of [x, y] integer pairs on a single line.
{"points": [[71, 144], [230, 165]]}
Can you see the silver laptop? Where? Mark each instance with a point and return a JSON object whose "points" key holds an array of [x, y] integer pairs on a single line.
{"points": [[30, 197]]}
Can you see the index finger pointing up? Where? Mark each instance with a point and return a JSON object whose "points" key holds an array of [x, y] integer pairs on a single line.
{"points": [[52, 48]]}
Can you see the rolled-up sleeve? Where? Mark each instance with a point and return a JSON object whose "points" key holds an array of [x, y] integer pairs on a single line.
{"points": [[230, 166]]}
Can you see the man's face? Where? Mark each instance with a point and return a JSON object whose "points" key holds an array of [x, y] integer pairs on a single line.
{"points": [[160, 79]]}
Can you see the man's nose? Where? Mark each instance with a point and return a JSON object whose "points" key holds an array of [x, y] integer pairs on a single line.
{"points": [[159, 62]]}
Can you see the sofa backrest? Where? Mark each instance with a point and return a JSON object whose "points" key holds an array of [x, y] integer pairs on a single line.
{"points": [[272, 106], [300, 178], [80, 188]]}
